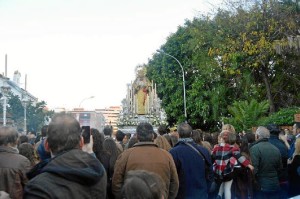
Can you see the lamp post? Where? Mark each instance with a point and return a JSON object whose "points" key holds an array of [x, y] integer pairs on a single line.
{"points": [[24, 103], [91, 97], [4, 90], [183, 81]]}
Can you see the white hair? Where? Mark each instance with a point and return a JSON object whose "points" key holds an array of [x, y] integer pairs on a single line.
{"points": [[262, 132]]}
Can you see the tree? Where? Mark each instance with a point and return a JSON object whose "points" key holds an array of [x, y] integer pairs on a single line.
{"points": [[37, 114], [246, 114], [16, 110], [226, 58], [284, 116], [249, 44]]}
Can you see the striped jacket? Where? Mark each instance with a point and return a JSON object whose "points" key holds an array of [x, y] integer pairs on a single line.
{"points": [[225, 157]]}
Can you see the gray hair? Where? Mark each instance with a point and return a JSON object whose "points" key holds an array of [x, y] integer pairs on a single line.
{"points": [[262, 132], [8, 135]]}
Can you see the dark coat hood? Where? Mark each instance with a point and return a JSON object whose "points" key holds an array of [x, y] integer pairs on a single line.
{"points": [[76, 165]]}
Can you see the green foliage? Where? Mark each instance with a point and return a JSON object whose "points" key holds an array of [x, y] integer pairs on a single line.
{"points": [[248, 46], [283, 117], [37, 114], [16, 110], [229, 57], [245, 114]]}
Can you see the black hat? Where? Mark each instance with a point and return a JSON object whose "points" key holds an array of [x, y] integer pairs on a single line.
{"points": [[273, 128]]}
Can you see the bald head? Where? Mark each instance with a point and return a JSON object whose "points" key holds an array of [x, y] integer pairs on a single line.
{"points": [[64, 133]]}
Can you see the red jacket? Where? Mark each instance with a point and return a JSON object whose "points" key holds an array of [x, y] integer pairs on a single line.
{"points": [[225, 157]]}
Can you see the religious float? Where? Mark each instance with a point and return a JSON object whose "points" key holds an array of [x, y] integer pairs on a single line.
{"points": [[141, 104]]}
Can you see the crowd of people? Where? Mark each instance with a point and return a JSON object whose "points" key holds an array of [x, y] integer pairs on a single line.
{"points": [[181, 163]]}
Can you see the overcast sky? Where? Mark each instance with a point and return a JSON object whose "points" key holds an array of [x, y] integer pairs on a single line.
{"points": [[74, 49]]}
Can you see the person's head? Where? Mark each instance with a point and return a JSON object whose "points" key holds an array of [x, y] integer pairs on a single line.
{"points": [[27, 150], [262, 132], [244, 147], [23, 139], [296, 128], [228, 127], [107, 131], [44, 130], [162, 129], [224, 136], [98, 139], [250, 137], [175, 133], [133, 140], [32, 134], [126, 138], [215, 138], [238, 139], [287, 132], [38, 138], [64, 133], [184, 130], [162, 143], [120, 135], [173, 129], [174, 140], [168, 138], [141, 184], [8, 136], [208, 138], [274, 129], [232, 138], [197, 136], [145, 132], [110, 146]]}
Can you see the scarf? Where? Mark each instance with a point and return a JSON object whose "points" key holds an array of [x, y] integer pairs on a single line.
{"points": [[185, 139]]}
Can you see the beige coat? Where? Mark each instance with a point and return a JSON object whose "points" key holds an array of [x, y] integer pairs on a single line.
{"points": [[146, 156]]}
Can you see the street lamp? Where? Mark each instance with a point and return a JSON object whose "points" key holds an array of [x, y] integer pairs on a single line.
{"points": [[24, 103], [91, 97], [4, 90], [183, 81]]}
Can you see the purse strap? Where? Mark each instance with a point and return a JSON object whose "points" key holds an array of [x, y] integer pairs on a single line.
{"points": [[199, 153]]}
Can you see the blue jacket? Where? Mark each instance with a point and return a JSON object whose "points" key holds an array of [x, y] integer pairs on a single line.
{"points": [[292, 147], [43, 154], [190, 167], [274, 139]]}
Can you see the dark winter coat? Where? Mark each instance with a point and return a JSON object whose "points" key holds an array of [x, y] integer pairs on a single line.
{"points": [[274, 139], [13, 168], [104, 158], [267, 163], [72, 174], [190, 166], [294, 177]]}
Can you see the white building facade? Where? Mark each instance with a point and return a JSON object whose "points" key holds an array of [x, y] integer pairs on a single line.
{"points": [[15, 87]]}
